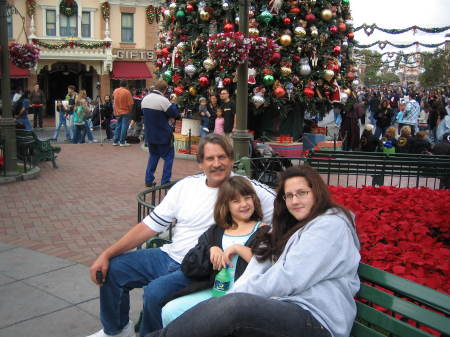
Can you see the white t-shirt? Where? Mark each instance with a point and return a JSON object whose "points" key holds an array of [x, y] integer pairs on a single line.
{"points": [[190, 203]]}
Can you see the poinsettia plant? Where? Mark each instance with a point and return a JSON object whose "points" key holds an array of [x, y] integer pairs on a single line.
{"points": [[229, 49], [261, 51], [24, 55]]}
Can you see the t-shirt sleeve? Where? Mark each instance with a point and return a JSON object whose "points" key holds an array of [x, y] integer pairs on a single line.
{"points": [[266, 196]]}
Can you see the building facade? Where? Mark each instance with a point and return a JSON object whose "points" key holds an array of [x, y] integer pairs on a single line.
{"points": [[89, 44]]}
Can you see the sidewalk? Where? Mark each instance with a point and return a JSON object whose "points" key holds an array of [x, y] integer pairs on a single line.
{"points": [[53, 227]]}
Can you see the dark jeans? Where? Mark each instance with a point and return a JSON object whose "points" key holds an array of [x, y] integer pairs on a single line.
{"points": [[244, 315], [37, 112], [157, 151]]}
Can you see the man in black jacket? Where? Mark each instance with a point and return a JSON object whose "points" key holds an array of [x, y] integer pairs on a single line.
{"points": [[229, 111]]}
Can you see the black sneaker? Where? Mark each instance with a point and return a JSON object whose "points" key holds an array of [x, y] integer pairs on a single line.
{"points": [[152, 184]]}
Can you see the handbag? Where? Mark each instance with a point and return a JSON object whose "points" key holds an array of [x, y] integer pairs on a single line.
{"points": [[196, 264]]}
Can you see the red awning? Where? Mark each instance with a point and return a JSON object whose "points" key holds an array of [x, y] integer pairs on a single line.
{"points": [[127, 70], [16, 72]]}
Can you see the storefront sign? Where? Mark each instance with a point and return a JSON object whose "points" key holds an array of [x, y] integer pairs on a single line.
{"points": [[133, 54]]}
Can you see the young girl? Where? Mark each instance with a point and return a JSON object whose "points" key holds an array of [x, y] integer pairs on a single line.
{"points": [[62, 121], [219, 122], [78, 120], [238, 215]]}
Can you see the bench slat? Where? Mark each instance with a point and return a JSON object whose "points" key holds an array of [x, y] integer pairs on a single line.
{"points": [[387, 322], [405, 308], [360, 330]]}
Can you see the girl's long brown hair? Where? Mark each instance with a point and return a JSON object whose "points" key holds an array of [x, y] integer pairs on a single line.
{"points": [[270, 242]]}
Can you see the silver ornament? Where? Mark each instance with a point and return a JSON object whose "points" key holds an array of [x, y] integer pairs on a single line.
{"points": [[190, 70], [236, 20], [258, 100], [209, 64], [225, 6], [299, 31], [305, 68], [355, 82]]}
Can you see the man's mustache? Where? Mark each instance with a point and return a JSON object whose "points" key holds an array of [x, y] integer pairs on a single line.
{"points": [[216, 169]]}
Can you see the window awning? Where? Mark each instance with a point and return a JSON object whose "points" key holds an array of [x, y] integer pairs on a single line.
{"points": [[128, 70], [16, 72]]}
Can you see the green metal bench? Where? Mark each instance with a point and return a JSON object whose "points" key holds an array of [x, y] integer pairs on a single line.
{"points": [[42, 150]]}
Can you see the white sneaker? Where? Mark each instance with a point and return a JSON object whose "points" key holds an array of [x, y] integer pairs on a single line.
{"points": [[115, 144], [128, 331], [125, 144]]}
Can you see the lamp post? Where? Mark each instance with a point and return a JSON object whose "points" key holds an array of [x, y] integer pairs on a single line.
{"points": [[241, 138], [7, 123]]}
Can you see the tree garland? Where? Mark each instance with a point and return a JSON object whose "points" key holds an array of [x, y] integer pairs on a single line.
{"points": [[152, 13], [106, 10], [369, 29], [68, 7], [31, 7], [72, 44], [383, 44]]}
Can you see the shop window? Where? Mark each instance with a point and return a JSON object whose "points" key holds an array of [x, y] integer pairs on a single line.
{"points": [[68, 25], [86, 24], [50, 22], [10, 26], [127, 27]]}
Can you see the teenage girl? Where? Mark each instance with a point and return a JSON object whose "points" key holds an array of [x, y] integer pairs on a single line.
{"points": [[78, 120], [238, 215]]}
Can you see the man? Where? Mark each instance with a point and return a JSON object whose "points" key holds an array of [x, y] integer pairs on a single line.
{"points": [[189, 203], [411, 114], [70, 98], [123, 102], [37, 100], [157, 110], [229, 112]]}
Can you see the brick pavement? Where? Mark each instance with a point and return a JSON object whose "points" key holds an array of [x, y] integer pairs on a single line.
{"points": [[77, 210]]}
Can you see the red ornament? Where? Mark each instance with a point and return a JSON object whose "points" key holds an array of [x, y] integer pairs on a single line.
{"points": [[351, 36], [178, 90], [336, 68], [267, 72], [337, 51], [310, 17], [203, 81], [296, 58], [226, 81], [165, 52], [327, 94], [287, 21], [189, 8], [334, 29], [342, 27], [279, 92], [158, 52], [295, 10], [309, 93], [276, 58], [159, 63], [176, 78], [229, 27]]}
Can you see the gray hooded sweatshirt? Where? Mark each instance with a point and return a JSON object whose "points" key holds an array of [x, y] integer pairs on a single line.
{"points": [[317, 270]]}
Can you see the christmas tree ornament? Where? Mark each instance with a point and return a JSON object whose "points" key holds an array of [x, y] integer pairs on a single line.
{"points": [[258, 100], [350, 76], [308, 92], [289, 89], [299, 31], [190, 70], [326, 14], [350, 36], [190, 8], [295, 79], [181, 46], [226, 81], [236, 20], [276, 58], [336, 68], [342, 27], [176, 78], [285, 40], [305, 68], [193, 91], [251, 77], [328, 75], [279, 92], [314, 31], [348, 91], [251, 13], [302, 23], [225, 5], [166, 13], [268, 80], [165, 52], [180, 14], [355, 83], [312, 2], [310, 17], [203, 81], [344, 97], [167, 76], [296, 58], [172, 7], [219, 83], [209, 64], [337, 50], [159, 63], [346, 2], [178, 91], [204, 15], [253, 32], [265, 17], [333, 29], [295, 10], [287, 21], [285, 71], [229, 27]]}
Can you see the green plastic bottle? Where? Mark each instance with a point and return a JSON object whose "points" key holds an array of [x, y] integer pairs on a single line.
{"points": [[221, 283]]}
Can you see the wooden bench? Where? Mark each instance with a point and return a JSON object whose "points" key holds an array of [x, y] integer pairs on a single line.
{"points": [[41, 150]]}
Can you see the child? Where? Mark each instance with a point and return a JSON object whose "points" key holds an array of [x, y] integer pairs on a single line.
{"points": [[219, 123], [78, 120], [405, 140], [369, 142], [62, 121], [238, 215], [204, 117]]}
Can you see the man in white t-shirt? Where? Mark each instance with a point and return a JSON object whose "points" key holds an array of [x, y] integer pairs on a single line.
{"points": [[189, 203]]}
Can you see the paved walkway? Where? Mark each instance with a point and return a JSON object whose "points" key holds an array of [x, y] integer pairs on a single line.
{"points": [[53, 227]]}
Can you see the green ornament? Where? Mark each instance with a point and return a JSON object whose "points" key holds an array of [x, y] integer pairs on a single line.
{"points": [[180, 14], [345, 2], [167, 76], [268, 80], [265, 16]]}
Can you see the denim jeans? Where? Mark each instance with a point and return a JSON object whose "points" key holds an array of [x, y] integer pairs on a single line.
{"points": [[87, 131], [244, 315], [77, 134], [26, 122], [157, 151], [66, 129], [379, 131], [120, 133], [151, 269]]}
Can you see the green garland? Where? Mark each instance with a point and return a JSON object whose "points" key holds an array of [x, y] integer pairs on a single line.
{"points": [[72, 44], [68, 7], [31, 7], [383, 44], [369, 29]]}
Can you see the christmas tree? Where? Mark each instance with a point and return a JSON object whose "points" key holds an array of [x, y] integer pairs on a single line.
{"points": [[299, 55]]}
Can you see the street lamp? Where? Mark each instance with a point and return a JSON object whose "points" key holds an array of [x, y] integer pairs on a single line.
{"points": [[7, 123]]}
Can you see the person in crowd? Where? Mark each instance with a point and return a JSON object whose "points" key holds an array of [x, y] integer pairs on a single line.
{"points": [[302, 278], [447, 107], [369, 142], [189, 203], [70, 98], [87, 109], [383, 117], [421, 143], [229, 113], [62, 121], [21, 111], [107, 114], [349, 130], [123, 102], [374, 103], [389, 136], [443, 128], [237, 216], [212, 106], [443, 147], [158, 110], [136, 123], [411, 114], [219, 122], [37, 99], [405, 140], [204, 117], [78, 120], [17, 94]]}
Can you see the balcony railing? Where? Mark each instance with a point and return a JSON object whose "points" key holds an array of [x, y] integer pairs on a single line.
{"points": [[70, 48]]}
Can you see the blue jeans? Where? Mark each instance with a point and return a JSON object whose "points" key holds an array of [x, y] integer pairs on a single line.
{"points": [[151, 269], [66, 129], [77, 134], [87, 131], [26, 122], [379, 131], [120, 133], [157, 151]]}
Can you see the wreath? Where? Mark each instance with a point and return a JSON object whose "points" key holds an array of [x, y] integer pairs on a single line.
{"points": [[31, 7], [228, 49], [68, 7], [24, 55], [261, 51], [106, 9]]}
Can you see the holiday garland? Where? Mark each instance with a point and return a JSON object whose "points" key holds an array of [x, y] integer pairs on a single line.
{"points": [[72, 44], [24, 55], [383, 44], [228, 49], [31, 7], [106, 10], [152, 13], [68, 7], [369, 29]]}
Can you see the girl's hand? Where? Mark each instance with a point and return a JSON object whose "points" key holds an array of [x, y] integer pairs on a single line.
{"points": [[216, 257], [228, 254]]}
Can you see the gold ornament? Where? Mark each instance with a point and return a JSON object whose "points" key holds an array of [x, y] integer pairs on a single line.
{"points": [[253, 32], [314, 31], [204, 15], [285, 71], [299, 31], [347, 91], [192, 91], [328, 75], [285, 40], [327, 14]]}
